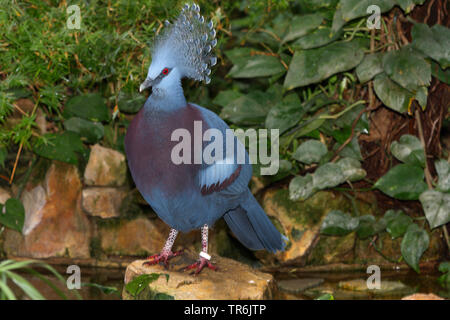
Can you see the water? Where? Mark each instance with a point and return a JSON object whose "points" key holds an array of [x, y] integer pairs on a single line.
{"points": [[106, 277]]}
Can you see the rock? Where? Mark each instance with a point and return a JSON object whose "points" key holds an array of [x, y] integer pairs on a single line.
{"points": [[55, 225], [4, 195], [422, 296], [106, 167], [232, 280], [386, 286], [103, 202], [33, 202], [137, 237], [300, 221], [333, 249], [299, 285]]}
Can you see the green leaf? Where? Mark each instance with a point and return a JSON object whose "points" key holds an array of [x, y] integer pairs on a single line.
{"points": [[285, 114], [368, 226], [12, 214], [251, 108], [396, 223], [226, 97], [318, 38], [310, 151], [301, 188], [443, 171], [130, 102], [163, 296], [391, 94], [337, 223], [436, 206], [407, 68], [434, 42], [414, 244], [90, 107], [408, 149], [351, 169], [408, 5], [444, 266], [251, 63], [438, 72], [326, 296], [90, 131], [3, 155], [403, 182], [301, 25], [369, 67], [315, 65], [352, 150], [327, 176], [138, 284], [63, 147], [351, 9]]}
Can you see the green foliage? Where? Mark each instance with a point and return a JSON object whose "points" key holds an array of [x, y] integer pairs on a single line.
{"points": [[414, 244], [9, 271], [338, 223], [136, 286], [12, 214], [64, 147]]}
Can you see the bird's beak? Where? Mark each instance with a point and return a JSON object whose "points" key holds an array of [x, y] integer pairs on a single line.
{"points": [[146, 84]]}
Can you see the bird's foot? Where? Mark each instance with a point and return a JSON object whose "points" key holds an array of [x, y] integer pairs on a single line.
{"points": [[200, 264], [163, 258]]}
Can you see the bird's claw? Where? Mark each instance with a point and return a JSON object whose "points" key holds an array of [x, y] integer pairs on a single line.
{"points": [[200, 264], [163, 258]]}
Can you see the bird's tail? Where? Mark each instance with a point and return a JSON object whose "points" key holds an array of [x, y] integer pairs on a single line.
{"points": [[253, 228]]}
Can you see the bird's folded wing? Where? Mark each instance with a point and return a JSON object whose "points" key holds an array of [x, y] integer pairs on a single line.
{"points": [[218, 176]]}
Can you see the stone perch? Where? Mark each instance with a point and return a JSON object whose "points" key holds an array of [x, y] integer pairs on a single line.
{"points": [[232, 281]]}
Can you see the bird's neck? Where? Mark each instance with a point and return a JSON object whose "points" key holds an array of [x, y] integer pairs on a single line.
{"points": [[168, 96]]}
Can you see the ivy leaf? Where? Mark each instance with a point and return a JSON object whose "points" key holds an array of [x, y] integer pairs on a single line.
{"points": [[407, 68], [301, 25], [443, 170], [315, 65], [369, 67], [414, 244], [316, 39], [408, 149], [408, 5], [285, 114], [301, 188], [90, 131], [138, 284], [12, 214], [328, 175], [368, 226], [90, 107], [351, 169], [403, 182], [310, 151], [337, 223], [249, 109], [391, 94], [436, 206], [396, 223], [251, 63], [434, 42], [63, 147]]}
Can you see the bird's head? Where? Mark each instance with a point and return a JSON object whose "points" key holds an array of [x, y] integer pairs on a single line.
{"points": [[183, 49]]}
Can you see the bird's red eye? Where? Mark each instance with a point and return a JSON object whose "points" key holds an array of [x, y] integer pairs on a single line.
{"points": [[165, 71]]}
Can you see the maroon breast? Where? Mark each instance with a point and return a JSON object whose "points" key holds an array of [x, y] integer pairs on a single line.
{"points": [[148, 147]]}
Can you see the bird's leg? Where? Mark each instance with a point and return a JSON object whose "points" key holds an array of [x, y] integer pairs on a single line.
{"points": [[166, 252], [204, 256]]}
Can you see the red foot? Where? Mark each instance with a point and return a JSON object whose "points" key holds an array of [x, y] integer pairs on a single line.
{"points": [[163, 257], [200, 264]]}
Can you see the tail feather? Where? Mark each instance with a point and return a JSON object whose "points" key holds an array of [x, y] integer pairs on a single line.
{"points": [[251, 225]]}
